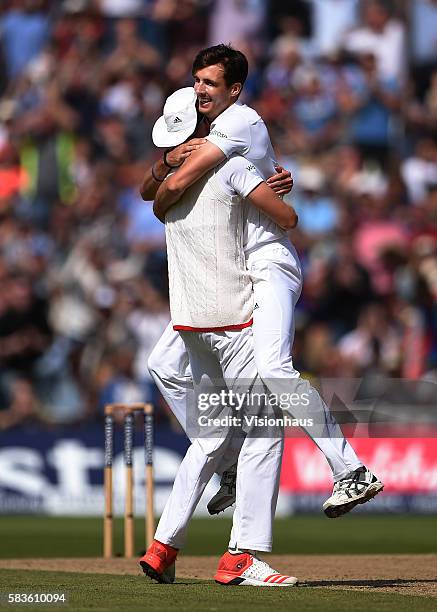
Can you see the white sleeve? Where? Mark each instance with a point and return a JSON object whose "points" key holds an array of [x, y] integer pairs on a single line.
{"points": [[240, 176], [231, 134]]}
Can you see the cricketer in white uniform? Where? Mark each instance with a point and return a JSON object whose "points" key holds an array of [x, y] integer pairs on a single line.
{"points": [[211, 302], [206, 296]]}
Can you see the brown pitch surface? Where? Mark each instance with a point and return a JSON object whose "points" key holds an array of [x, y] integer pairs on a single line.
{"points": [[408, 574]]}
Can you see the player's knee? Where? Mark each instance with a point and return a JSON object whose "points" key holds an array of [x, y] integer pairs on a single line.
{"points": [[272, 369], [264, 366], [154, 364], [161, 369]]}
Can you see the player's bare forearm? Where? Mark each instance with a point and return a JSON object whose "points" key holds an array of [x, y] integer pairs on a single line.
{"points": [[281, 182], [173, 158], [161, 203], [265, 199], [167, 195], [195, 166], [155, 174]]}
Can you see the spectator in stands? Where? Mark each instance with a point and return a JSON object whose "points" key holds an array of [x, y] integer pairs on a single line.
{"points": [[318, 215], [24, 32], [24, 334], [130, 51], [281, 69], [47, 151], [374, 345], [423, 16], [419, 171], [384, 36], [331, 20], [370, 102], [314, 113], [377, 233], [233, 20], [346, 291]]}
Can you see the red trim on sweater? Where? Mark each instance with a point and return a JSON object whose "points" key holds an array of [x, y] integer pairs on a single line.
{"points": [[213, 329]]}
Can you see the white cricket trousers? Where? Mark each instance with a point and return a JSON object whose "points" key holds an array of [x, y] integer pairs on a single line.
{"points": [[224, 361], [277, 282]]}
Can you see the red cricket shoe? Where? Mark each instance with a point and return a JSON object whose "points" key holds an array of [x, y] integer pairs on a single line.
{"points": [[246, 569], [159, 562]]}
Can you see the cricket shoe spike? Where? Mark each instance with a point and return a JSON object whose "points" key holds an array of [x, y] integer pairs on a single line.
{"points": [[225, 496], [246, 569], [358, 488], [159, 562]]}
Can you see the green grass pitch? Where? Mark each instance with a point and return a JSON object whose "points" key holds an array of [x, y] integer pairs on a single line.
{"points": [[27, 537], [130, 593]]}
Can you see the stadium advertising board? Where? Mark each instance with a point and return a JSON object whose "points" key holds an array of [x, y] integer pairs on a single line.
{"points": [[60, 472]]}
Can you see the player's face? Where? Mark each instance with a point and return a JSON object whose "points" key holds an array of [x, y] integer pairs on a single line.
{"points": [[213, 94]]}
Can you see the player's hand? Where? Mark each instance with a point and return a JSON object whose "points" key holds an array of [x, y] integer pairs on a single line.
{"points": [[282, 182], [176, 156]]}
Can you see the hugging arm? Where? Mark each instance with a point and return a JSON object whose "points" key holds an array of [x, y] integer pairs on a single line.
{"points": [[265, 199], [198, 164], [281, 182], [157, 172], [194, 167]]}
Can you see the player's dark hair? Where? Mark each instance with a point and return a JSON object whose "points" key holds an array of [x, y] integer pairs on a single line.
{"points": [[234, 63]]}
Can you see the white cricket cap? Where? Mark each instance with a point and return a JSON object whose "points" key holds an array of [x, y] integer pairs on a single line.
{"points": [[179, 119]]}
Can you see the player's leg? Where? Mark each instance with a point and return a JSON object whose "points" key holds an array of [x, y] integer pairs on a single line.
{"points": [[260, 460], [258, 473], [208, 444], [276, 276], [260, 457], [195, 470], [169, 366], [277, 284]]}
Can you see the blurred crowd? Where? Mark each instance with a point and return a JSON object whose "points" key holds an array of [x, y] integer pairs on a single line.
{"points": [[348, 89]]}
